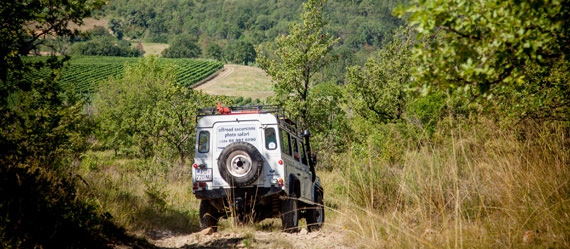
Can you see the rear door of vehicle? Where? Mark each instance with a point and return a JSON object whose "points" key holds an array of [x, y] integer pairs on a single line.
{"points": [[228, 132]]}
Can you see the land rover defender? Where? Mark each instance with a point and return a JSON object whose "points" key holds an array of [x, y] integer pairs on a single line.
{"points": [[254, 163]]}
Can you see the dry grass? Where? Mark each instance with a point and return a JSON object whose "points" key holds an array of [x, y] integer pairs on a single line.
{"points": [[483, 188], [141, 195], [479, 187], [90, 23], [153, 49], [239, 80]]}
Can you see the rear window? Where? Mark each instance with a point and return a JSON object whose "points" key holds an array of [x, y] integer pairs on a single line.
{"points": [[204, 141], [270, 139]]}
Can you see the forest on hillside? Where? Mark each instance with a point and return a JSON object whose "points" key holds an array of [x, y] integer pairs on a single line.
{"points": [[452, 133], [229, 31], [358, 23]]}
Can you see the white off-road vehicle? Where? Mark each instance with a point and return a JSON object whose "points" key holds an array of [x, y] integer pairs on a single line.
{"points": [[254, 163]]}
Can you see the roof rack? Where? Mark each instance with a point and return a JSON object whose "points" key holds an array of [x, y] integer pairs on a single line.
{"points": [[219, 110], [256, 109]]}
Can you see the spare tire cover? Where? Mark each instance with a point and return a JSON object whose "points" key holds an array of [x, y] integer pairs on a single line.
{"points": [[240, 164]]}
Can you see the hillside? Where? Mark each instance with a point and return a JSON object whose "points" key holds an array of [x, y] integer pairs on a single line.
{"points": [[220, 28], [239, 80], [85, 72]]}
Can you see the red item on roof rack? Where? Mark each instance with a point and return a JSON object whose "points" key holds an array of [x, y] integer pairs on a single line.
{"points": [[223, 110], [230, 111]]}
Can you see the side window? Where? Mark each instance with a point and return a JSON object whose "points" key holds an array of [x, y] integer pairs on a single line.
{"points": [[270, 139], [295, 148], [285, 145], [303, 155], [204, 141]]}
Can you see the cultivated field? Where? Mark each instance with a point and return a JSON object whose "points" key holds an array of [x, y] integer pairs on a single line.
{"points": [[239, 80], [85, 72]]}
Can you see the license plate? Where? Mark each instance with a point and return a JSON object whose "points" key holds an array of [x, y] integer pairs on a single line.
{"points": [[203, 174]]}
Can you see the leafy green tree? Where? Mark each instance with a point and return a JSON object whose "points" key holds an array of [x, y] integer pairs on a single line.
{"points": [[106, 45], [377, 91], [18, 38], [182, 46], [146, 111], [297, 58], [124, 107], [40, 123], [175, 120], [42, 131], [504, 50], [241, 52], [117, 28], [328, 118], [214, 51]]}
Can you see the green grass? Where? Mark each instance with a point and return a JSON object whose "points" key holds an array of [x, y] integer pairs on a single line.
{"points": [[83, 73]]}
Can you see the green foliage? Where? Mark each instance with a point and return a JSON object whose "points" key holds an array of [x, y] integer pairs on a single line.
{"points": [[497, 48], [240, 52], [328, 118], [297, 58], [241, 101], [363, 26], [83, 74], [214, 51], [425, 112], [116, 27], [124, 108], [378, 91], [105, 46], [147, 111], [42, 131], [18, 37], [42, 125], [182, 46]]}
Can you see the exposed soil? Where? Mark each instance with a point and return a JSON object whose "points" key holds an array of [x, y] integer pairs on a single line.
{"points": [[325, 238]]}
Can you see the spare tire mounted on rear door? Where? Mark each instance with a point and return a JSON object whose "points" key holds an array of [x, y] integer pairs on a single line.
{"points": [[240, 164]]}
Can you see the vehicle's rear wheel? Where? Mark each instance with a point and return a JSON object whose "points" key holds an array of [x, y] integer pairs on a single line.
{"points": [[240, 164], [209, 215], [290, 214], [316, 214]]}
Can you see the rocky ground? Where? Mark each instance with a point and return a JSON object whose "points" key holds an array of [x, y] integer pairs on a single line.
{"points": [[250, 238]]}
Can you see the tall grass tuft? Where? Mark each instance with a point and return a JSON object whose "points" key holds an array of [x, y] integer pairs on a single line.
{"points": [[143, 196], [480, 187]]}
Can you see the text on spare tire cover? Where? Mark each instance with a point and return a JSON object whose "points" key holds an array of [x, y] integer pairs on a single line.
{"points": [[236, 133]]}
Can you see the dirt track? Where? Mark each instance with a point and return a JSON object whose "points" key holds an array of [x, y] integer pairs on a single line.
{"points": [[325, 238]]}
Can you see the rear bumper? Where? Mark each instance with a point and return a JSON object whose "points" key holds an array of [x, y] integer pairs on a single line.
{"points": [[223, 193]]}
